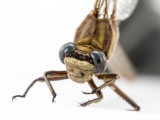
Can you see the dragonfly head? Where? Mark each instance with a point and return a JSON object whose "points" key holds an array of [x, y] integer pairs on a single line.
{"points": [[81, 65]]}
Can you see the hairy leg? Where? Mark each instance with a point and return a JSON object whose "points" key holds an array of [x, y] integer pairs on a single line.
{"points": [[107, 78], [125, 97]]}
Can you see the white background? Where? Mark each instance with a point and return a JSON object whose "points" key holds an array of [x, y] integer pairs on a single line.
{"points": [[31, 33]]}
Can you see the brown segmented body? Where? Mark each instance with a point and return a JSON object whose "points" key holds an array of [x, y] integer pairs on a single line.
{"points": [[97, 34]]}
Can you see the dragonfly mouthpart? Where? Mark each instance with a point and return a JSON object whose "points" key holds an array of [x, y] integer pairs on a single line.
{"points": [[79, 71]]}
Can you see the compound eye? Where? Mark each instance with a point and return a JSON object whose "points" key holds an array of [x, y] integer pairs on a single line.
{"points": [[100, 61], [65, 50]]}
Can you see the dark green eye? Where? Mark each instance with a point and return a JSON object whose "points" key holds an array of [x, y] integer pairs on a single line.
{"points": [[65, 50], [100, 61]]}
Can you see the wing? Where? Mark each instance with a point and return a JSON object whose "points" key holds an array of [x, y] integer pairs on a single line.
{"points": [[120, 63], [124, 8]]}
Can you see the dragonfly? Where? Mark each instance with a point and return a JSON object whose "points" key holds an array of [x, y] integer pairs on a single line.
{"points": [[95, 49]]}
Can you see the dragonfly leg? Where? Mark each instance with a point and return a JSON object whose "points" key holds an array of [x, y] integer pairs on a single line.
{"points": [[41, 79], [98, 93], [106, 9], [50, 76], [125, 97], [98, 6], [114, 10], [107, 78]]}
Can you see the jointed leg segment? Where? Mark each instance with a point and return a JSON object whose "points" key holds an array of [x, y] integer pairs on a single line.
{"points": [[50, 86], [41, 79], [107, 78], [48, 76], [125, 97], [114, 9], [98, 93], [110, 78]]}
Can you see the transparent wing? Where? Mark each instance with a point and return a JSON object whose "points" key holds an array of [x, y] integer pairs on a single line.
{"points": [[120, 64], [124, 8]]}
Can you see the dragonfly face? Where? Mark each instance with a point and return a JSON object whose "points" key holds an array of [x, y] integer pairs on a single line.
{"points": [[79, 71], [81, 65]]}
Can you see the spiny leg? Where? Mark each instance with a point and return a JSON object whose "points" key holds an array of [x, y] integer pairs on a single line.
{"points": [[107, 78], [99, 94], [125, 97], [51, 76]]}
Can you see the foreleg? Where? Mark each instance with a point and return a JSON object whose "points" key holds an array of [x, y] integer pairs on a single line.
{"points": [[107, 78], [50, 76]]}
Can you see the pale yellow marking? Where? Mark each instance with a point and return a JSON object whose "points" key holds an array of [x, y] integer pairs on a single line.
{"points": [[95, 43], [83, 48], [86, 27], [102, 30], [86, 48], [84, 40], [73, 62]]}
